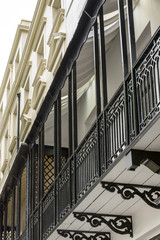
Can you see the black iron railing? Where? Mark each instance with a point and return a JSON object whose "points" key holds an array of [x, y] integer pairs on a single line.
{"points": [[82, 169], [147, 75]]}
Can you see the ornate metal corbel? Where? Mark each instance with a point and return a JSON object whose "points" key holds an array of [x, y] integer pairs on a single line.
{"points": [[149, 194], [84, 235], [119, 224]]}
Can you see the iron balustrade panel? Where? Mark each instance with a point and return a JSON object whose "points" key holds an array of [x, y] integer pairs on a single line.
{"points": [[115, 126], [22, 236], [129, 99], [147, 74], [86, 163], [63, 191], [102, 144], [8, 235], [48, 211], [35, 225], [35, 176]]}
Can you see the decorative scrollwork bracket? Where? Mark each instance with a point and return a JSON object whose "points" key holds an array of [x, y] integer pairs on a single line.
{"points": [[84, 235], [119, 224], [149, 194]]}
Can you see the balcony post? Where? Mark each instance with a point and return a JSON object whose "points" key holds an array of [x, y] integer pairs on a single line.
{"points": [[59, 154], [75, 129], [28, 192], [98, 93], [18, 208], [70, 143], [75, 106], [32, 190], [13, 214], [5, 221], [18, 120], [103, 58], [41, 175], [104, 82], [124, 55], [55, 160], [70, 113], [1, 223], [132, 46], [59, 132]]}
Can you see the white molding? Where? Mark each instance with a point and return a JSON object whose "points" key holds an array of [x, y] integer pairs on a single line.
{"points": [[40, 70], [38, 91], [49, 2], [57, 23], [22, 65], [27, 123], [54, 3], [56, 44], [12, 144], [4, 165], [39, 32], [26, 71], [26, 108]]}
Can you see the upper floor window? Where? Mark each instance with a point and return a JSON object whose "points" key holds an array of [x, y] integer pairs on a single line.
{"points": [[8, 89], [17, 62], [1, 110], [40, 51], [26, 90]]}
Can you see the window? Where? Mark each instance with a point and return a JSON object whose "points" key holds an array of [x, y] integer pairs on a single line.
{"points": [[14, 122], [8, 90], [16, 62], [26, 90], [40, 51]]}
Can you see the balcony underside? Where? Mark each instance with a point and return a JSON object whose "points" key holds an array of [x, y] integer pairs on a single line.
{"points": [[145, 219]]}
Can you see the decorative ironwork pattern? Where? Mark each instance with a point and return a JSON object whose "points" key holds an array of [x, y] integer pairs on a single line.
{"points": [[49, 198], [87, 147], [128, 191], [49, 230], [8, 235], [148, 81], [86, 163], [129, 84], [84, 235], [35, 217], [115, 126], [23, 236], [36, 179], [48, 172], [119, 224], [63, 161], [64, 177]]}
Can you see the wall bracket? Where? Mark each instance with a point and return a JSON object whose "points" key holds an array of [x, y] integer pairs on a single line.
{"points": [[84, 235], [118, 224], [149, 194]]}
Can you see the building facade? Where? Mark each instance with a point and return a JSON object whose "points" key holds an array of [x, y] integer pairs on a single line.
{"points": [[80, 123]]}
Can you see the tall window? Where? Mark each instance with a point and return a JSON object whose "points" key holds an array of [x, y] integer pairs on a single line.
{"points": [[40, 51]]}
